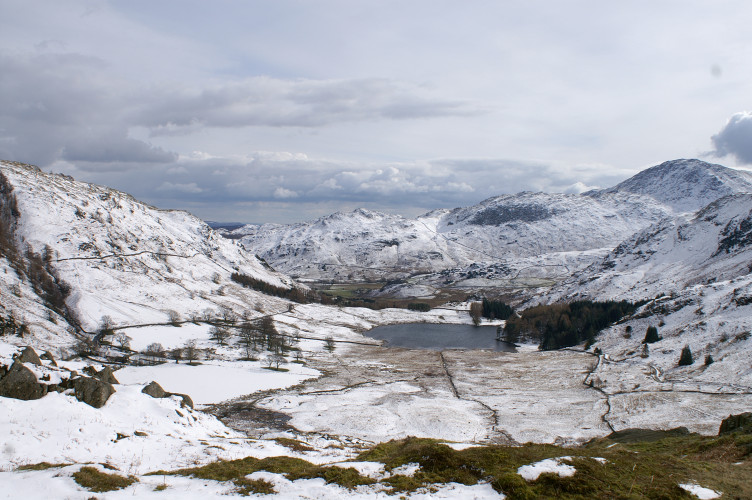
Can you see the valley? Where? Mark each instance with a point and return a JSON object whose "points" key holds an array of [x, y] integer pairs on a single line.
{"points": [[98, 280]]}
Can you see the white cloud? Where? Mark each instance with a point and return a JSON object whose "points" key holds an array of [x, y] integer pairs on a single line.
{"points": [[282, 193]]}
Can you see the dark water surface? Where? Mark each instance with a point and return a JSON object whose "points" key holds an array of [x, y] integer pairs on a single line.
{"points": [[440, 336]]}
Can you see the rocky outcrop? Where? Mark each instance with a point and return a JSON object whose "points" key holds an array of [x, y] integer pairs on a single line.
{"points": [[28, 355], [736, 423], [21, 383], [155, 390], [92, 391]]}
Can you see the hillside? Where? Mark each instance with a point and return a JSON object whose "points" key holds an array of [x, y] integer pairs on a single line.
{"points": [[117, 257]]}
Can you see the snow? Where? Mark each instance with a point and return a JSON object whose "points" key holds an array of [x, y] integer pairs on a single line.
{"points": [[700, 492], [550, 465], [215, 381], [60, 429]]}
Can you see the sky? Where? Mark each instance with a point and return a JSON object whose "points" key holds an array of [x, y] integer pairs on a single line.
{"points": [[287, 110]]}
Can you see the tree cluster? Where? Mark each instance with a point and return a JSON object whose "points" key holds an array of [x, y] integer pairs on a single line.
{"points": [[564, 325], [294, 294], [496, 309]]}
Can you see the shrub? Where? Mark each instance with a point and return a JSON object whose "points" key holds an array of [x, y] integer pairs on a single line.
{"points": [[686, 357], [651, 335]]}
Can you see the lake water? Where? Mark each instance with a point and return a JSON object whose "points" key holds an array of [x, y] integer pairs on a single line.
{"points": [[440, 336]]}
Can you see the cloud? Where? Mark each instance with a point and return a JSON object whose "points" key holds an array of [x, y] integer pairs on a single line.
{"points": [[275, 102], [735, 139], [286, 187], [282, 193]]}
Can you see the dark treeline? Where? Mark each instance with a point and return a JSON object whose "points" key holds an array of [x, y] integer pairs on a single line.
{"points": [[294, 294], [496, 309], [565, 325]]}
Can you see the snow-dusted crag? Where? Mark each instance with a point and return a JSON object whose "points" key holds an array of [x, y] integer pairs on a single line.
{"points": [[518, 231], [119, 257]]}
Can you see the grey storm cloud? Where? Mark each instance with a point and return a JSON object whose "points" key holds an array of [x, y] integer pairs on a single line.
{"points": [[287, 187], [265, 101], [68, 107], [735, 138]]}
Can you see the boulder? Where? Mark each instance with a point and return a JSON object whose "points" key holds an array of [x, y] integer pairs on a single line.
{"points": [[186, 399], [736, 423], [21, 383], [154, 390], [107, 376], [92, 391], [28, 355]]}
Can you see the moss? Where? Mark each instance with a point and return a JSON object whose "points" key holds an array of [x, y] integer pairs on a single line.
{"points": [[94, 480]]}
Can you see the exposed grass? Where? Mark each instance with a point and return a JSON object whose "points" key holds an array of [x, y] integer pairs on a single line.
{"points": [[294, 444], [632, 468], [41, 466], [292, 468], [94, 480], [255, 486]]}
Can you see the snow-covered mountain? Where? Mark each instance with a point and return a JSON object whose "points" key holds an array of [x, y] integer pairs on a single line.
{"points": [[115, 256], [712, 246], [684, 185], [509, 230]]}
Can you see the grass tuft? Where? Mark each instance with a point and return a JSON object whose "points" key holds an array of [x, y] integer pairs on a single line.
{"points": [[41, 466], [94, 480]]}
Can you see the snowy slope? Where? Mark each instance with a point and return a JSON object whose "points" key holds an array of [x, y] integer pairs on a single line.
{"points": [[714, 245], [125, 259], [508, 229], [684, 185]]}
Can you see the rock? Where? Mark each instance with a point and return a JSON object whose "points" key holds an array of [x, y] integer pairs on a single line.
{"points": [[107, 376], [92, 391], [736, 423], [140, 433], [28, 355], [21, 383], [186, 399], [154, 390], [48, 356]]}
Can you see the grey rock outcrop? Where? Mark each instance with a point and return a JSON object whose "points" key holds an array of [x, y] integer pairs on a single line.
{"points": [[21, 383], [28, 355], [736, 423], [155, 390], [92, 391]]}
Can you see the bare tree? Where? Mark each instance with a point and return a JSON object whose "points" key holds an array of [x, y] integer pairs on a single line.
{"points": [[329, 344], [248, 340], [476, 312], [176, 354], [278, 359], [123, 341], [154, 351], [174, 317], [219, 334], [190, 352]]}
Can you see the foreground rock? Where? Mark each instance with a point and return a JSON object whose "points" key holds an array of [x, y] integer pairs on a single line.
{"points": [[155, 390], [21, 383]]}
